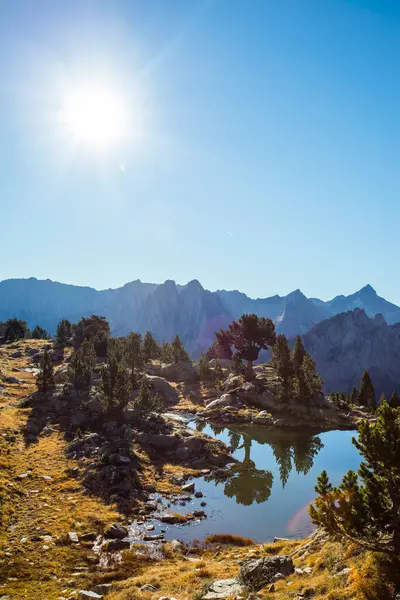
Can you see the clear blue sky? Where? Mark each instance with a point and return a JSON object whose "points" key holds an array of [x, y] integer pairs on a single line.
{"points": [[263, 151]]}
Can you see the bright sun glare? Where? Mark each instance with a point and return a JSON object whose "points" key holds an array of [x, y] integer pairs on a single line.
{"points": [[94, 116]]}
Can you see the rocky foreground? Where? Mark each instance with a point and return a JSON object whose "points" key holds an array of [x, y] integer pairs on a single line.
{"points": [[84, 500]]}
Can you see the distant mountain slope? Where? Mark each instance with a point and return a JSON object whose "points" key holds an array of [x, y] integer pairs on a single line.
{"points": [[347, 344], [169, 309]]}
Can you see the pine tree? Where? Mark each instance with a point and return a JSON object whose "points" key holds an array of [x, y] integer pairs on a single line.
{"points": [[166, 354], [147, 401], [298, 354], [115, 386], [203, 368], [81, 365], [237, 367], [45, 377], [353, 397], [366, 392], [38, 333], [151, 349], [365, 506], [394, 401], [249, 335], [133, 354], [178, 350], [307, 382], [64, 332], [282, 362]]}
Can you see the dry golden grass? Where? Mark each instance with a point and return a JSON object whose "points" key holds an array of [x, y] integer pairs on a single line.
{"points": [[37, 561]]}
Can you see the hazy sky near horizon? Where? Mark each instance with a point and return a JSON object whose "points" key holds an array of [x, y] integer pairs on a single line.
{"points": [[252, 144]]}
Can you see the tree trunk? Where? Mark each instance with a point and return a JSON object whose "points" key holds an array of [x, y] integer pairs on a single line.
{"points": [[249, 374]]}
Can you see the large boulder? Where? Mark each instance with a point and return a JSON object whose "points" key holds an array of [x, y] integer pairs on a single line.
{"points": [[182, 371], [223, 588], [257, 573], [225, 400], [116, 532], [233, 382], [165, 389], [164, 441]]}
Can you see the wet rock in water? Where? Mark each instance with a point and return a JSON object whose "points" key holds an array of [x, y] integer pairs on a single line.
{"points": [[116, 531], [199, 513], [117, 545], [255, 574], [203, 503], [198, 494], [223, 588], [188, 487], [170, 518], [153, 538]]}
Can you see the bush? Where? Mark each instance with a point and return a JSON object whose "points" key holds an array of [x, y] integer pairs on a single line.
{"points": [[147, 401], [229, 540]]}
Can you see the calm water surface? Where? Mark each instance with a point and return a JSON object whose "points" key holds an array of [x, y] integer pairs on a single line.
{"points": [[269, 491]]}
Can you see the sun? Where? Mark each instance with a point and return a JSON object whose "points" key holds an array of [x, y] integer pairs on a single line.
{"points": [[95, 116]]}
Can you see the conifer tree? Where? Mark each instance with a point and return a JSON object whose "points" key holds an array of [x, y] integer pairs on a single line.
{"points": [[394, 401], [237, 367], [151, 349], [166, 354], [178, 350], [81, 365], [283, 365], [147, 401], [115, 386], [365, 506], [45, 377], [38, 333], [203, 368], [307, 381], [366, 392], [249, 335], [353, 397], [298, 354], [64, 332], [133, 354]]}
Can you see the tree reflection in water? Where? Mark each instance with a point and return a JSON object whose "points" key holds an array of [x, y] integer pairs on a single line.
{"points": [[248, 484]]}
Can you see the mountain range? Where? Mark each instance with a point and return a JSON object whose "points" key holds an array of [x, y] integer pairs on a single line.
{"points": [[344, 335], [167, 309]]}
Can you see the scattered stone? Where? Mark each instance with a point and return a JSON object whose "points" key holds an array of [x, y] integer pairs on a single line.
{"points": [[223, 588], [256, 574], [278, 576], [298, 571], [84, 594], [188, 487], [117, 545], [73, 537], [199, 513], [147, 587], [198, 494], [170, 518], [88, 537], [345, 571], [153, 538], [307, 570], [150, 527], [102, 588], [203, 503], [116, 532], [47, 478], [22, 475], [176, 546]]}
